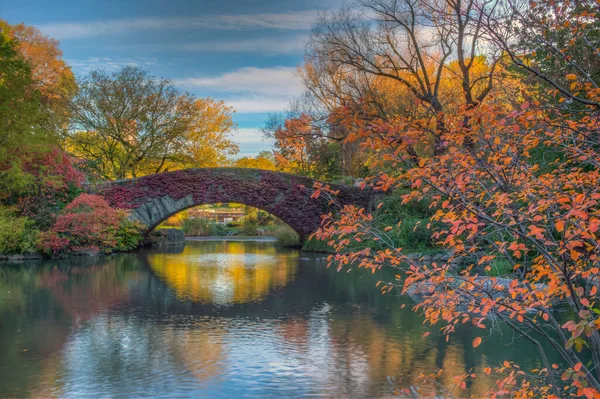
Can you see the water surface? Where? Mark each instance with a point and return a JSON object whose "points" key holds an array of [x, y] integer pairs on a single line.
{"points": [[223, 319]]}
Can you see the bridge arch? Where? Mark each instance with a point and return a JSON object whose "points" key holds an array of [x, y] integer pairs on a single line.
{"points": [[154, 198]]}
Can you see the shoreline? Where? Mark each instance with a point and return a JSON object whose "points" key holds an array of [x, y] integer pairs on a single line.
{"points": [[233, 238]]}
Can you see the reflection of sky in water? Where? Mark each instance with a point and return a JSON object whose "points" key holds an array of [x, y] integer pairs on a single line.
{"points": [[126, 356], [154, 325]]}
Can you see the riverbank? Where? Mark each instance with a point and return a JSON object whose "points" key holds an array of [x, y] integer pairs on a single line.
{"points": [[234, 238]]}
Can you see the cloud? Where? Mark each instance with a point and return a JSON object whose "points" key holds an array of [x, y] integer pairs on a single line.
{"points": [[280, 80], [86, 65], [250, 89], [260, 105], [251, 142], [299, 20], [273, 45]]}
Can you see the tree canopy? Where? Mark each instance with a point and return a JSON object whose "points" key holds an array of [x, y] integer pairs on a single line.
{"points": [[129, 124]]}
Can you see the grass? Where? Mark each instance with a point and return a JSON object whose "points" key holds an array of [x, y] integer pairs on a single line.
{"points": [[313, 245], [286, 236]]}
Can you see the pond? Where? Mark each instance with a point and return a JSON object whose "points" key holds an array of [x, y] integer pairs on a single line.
{"points": [[224, 319]]}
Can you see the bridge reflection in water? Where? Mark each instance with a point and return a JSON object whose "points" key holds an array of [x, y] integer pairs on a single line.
{"points": [[224, 272]]}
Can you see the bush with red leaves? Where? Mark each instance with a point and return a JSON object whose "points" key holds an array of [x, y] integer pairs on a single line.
{"points": [[50, 182], [89, 225]]}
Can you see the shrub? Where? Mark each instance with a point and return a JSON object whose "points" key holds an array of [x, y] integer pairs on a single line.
{"points": [[196, 227], [90, 225], [51, 182], [17, 234], [286, 236], [215, 229], [250, 226], [408, 223]]}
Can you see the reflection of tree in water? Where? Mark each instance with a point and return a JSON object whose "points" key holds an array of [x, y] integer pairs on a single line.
{"points": [[199, 350], [84, 292], [138, 357], [39, 306], [224, 272], [367, 353]]}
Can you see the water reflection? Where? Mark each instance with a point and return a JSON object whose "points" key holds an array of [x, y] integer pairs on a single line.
{"points": [[224, 272], [221, 319]]}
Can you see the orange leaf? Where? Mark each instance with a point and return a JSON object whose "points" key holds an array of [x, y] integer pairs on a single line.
{"points": [[476, 342], [571, 76]]}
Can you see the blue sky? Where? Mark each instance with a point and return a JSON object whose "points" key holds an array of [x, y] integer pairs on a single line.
{"points": [[242, 51]]}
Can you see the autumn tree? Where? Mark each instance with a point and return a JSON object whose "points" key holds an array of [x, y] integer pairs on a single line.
{"points": [[36, 177], [410, 42], [390, 59], [19, 115], [512, 181], [129, 124], [293, 139], [209, 142], [50, 73], [264, 160]]}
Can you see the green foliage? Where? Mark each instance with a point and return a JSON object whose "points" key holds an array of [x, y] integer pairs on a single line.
{"points": [[314, 245], [265, 218], [500, 267], [215, 229], [19, 113], [17, 234], [408, 224], [19, 106], [196, 227], [249, 226], [286, 236], [128, 235], [202, 227], [408, 221]]}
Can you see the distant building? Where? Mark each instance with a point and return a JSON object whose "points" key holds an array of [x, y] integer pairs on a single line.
{"points": [[218, 215]]}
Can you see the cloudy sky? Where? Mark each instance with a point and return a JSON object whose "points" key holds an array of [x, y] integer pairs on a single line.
{"points": [[242, 51]]}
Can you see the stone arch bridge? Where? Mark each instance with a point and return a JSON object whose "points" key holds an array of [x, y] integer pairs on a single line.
{"points": [[153, 199]]}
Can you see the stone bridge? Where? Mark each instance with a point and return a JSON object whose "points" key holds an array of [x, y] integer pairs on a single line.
{"points": [[153, 199]]}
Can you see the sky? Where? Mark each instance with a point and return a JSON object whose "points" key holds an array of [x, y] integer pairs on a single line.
{"points": [[244, 52]]}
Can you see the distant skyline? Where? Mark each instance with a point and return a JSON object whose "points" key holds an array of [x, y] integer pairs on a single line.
{"points": [[244, 52]]}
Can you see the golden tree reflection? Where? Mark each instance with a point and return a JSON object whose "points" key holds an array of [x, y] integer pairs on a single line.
{"points": [[364, 351], [224, 272], [199, 350]]}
